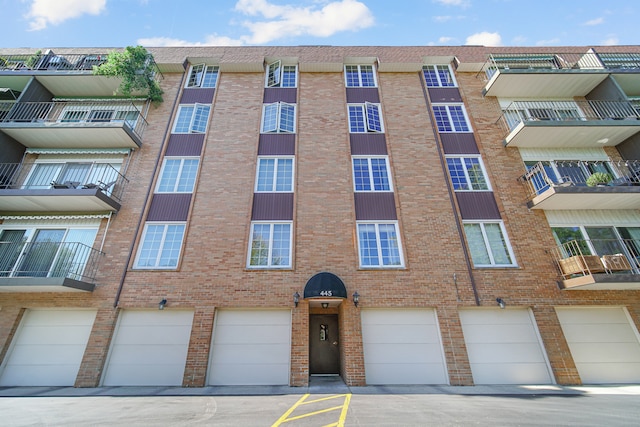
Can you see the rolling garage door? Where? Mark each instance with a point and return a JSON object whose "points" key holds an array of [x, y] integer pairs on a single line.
{"points": [[251, 347], [48, 348], [603, 342], [504, 347], [149, 348], [402, 347]]}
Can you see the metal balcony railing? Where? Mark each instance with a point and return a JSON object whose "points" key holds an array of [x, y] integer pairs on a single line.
{"points": [[562, 111], [597, 256], [51, 61], [562, 62], [81, 113], [70, 260], [63, 175], [546, 174]]}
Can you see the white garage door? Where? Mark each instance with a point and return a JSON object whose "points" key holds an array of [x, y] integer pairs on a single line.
{"points": [[402, 347], [149, 348], [251, 347], [48, 348], [504, 347], [603, 342]]}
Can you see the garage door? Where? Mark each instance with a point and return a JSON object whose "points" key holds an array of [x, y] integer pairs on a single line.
{"points": [[48, 348], [603, 342], [251, 347], [402, 347], [504, 347], [149, 348]]}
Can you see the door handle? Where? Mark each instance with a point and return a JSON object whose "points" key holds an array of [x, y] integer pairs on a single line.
{"points": [[335, 343]]}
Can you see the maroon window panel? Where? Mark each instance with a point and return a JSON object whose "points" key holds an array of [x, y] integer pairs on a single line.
{"points": [[358, 95], [272, 207], [375, 206], [477, 205], [459, 143], [187, 144], [444, 94], [197, 96], [280, 94], [169, 207], [368, 143], [277, 144]]}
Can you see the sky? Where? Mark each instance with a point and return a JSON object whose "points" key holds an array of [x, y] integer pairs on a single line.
{"points": [[151, 23]]}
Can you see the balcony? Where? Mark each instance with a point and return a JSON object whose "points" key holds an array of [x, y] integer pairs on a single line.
{"points": [[82, 124], [543, 75], [559, 185], [47, 267], [568, 124], [60, 187], [598, 264]]}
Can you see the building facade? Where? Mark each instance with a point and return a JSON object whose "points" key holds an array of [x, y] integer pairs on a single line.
{"points": [[393, 215]]}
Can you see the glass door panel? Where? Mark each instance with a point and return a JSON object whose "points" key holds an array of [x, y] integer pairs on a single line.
{"points": [[40, 253], [74, 253], [11, 244], [604, 240]]}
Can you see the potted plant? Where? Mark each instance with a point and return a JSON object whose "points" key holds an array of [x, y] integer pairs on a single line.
{"points": [[599, 179]]}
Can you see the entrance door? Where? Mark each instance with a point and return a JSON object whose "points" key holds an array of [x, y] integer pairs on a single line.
{"points": [[324, 354]]}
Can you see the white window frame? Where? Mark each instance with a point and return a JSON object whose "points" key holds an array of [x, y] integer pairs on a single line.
{"points": [[197, 78], [270, 264], [279, 114], [434, 68], [368, 122], [463, 157], [377, 225], [373, 69], [163, 241], [195, 106], [370, 171], [275, 173], [492, 262], [450, 119], [179, 176], [276, 69]]}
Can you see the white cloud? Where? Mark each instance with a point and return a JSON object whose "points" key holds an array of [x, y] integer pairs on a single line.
{"points": [[593, 22], [443, 18], [289, 21], [211, 40], [610, 41], [459, 3], [445, 40], [484, 39], [54, 12], [549, 42]]}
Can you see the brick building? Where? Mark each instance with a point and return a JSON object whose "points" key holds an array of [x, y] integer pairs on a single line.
{"points": [[392, 215]]}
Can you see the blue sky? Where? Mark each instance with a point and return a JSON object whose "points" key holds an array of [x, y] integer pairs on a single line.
{"points": [[117, 23]]}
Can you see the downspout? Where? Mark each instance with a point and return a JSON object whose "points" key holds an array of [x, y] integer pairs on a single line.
{"points": [[149, 192], [454, 206]]}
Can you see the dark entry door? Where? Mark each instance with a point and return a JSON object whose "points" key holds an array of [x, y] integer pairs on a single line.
{"points": [[324, 354]]}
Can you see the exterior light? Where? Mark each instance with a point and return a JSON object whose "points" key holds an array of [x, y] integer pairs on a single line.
{"points": [[501, 302], [356, 298], [325, 305], [162, 303], [296, 298]]}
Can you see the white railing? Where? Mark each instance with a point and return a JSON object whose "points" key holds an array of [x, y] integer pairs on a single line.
{"points": [[597, 256]]}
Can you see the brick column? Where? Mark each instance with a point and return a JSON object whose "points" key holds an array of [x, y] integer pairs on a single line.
{"points": [[300, 345], [352, 358], [455, 349], [10, 318], [195, 371], [97, 349]]}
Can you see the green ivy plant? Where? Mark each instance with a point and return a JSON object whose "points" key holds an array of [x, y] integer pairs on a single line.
{"points": [[599, 178], [135, 66]]}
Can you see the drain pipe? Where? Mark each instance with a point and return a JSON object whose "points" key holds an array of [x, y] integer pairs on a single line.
{"points": [[149, 192], [452, 200]]}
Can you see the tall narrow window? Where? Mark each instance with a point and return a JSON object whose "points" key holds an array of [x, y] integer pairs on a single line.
{"points": [[203, 76], [270, 245], [359, 76], [451, 118], [279, 75], [379, 245], [161, 245], [192, 118], [365, 118], [488, 244], [178, 175], [371, 174], [274, 175], [467, 173], [438, 76], [278, 117]]}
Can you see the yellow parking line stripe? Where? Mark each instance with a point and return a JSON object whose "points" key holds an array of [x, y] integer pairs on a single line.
{"points": [[324, 398], [322, 411], [286, 414], [345, 408]]}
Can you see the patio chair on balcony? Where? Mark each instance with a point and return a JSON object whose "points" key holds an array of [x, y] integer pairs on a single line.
{"points": [[65, 185], [105, 186], [615, 262]]}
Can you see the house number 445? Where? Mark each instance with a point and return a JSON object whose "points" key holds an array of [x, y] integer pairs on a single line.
{"points": [[326, 293]]}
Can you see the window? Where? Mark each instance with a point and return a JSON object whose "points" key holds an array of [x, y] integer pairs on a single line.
{"points": [[270, 245], [178, 175], [274, 175], [488, 244], [451, 118], [379, 245], [278, 117], [438, 76], [359, 76], [161, 245], [371, 174], [467, 173], [365, 118], [192, 118], [279, 75], [202, 75], [88, 173]]}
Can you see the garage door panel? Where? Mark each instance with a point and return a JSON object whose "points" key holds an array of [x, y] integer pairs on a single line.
{"points": [[47, 335], [586, 316], [56, 354], [610, 373], [594, 352], [144, 374], [254, 317], [600, 333], [146, 334], [40, 375], [513, 373], [397, 317], [406, 334], [495, 317], [507, 352], [249, 353], [404, 353], [251, 374], [499, 333], [259, 334], [149, 354], [406, 373], [55, 317], [158, 318]]}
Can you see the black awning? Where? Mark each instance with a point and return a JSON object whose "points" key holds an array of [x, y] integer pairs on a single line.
{"points": [[325, 285]]}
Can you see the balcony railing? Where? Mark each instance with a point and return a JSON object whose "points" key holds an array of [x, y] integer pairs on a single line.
{"points": [[563, 173], [597, 256], [71, 260], [82, 113], [51, 61], [562, 61], [563, 111], [63, 175]]}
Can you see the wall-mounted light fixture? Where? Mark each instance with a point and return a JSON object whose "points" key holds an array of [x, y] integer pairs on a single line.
{"points": [[162, 303], [325, 305], [501, 302], [356, 298], [296, 298]]}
